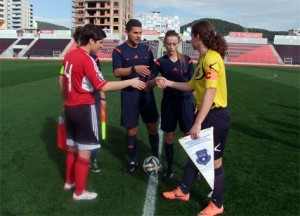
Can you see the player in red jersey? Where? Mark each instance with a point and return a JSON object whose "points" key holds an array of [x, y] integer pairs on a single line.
{"points": [[81, 78], [99, 96]]}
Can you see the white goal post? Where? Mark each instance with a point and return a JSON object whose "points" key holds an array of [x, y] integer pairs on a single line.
{"points": [[288, 61], [56, 54]]}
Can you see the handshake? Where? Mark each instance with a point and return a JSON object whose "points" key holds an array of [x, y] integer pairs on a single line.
{"points": [[162, 82]]}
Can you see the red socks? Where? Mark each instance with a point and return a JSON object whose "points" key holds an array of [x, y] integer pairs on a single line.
{"points": [[81, 174], [70, 163]]}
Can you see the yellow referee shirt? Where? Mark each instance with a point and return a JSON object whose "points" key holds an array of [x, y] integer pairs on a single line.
{"points": [[210, 73]]}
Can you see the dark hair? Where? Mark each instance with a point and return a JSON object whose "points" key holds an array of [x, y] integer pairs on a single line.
{"points": [[171, 33], [91, 31], [76, 35], [210, 38], [133, 23]]}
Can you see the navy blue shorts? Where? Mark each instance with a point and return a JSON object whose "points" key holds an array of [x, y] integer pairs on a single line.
{"points": [[220, 120], [82, 127], [173, 111], [134, 103], [98, 103]]}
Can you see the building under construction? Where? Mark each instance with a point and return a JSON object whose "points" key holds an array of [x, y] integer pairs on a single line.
{"points": [[111, 15]]}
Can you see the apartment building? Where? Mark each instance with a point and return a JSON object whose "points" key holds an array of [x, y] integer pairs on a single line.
{"points": [[111, 15], [2, 18], [17, 14], [155, 21]]}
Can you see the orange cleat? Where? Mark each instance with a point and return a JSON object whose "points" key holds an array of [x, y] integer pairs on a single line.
{"points": [[211, 210], [176, 194]]}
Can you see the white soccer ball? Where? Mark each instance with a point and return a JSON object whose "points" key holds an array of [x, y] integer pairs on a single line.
{"points": [[152, 165]]}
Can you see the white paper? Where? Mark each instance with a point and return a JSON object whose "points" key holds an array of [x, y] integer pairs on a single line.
{"points": [[201, 152]]}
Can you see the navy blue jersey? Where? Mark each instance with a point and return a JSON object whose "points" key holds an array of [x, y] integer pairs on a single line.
{"points": [[174, 71], [96, 93], [125, 56], [96, 58]]}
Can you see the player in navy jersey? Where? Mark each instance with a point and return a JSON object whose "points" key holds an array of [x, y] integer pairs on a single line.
{"points": [[100, 104], [176, 106], [81, 78], [134, 59]]}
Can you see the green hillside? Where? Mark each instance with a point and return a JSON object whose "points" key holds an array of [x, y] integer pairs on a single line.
{"points": [[225, 27], [222, 26], [50, 26]]}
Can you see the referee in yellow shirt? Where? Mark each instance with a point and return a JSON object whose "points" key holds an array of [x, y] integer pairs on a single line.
{"points": [[209, 84]]}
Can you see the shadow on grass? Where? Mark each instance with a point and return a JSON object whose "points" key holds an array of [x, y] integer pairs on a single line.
{"points": [[252, 132], [49, 136], [289, 128], [116, 144], [284, 106]]}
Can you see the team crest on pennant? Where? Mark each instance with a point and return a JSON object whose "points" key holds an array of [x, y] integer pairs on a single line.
{"points": [[201, 152], [202, 157]]}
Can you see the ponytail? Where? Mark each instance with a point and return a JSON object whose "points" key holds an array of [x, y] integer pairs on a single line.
{"points": [[181, 58], [210, 37]]}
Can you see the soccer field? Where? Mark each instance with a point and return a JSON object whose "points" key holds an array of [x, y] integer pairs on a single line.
{"points": [[261, 156]]}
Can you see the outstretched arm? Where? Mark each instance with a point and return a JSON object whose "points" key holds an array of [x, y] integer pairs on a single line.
{"points": [[164, 83], [117, 85]]}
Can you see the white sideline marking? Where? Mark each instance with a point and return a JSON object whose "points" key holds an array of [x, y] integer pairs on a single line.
{"points": [[149, 205], [267, 77]]}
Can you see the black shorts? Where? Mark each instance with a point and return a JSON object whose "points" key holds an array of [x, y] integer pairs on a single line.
{"points": [[82, 127], [173, 111], [98, 104], [134, 103], [220, 120]]}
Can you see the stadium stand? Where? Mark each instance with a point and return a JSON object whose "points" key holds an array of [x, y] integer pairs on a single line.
{"points": [[25, 41], [108, 47], [46, 47], [72, 47], [251, 53], [106, 52], [154, 46], [5, 43], [243, 47], [290, 54], [187, 49]]}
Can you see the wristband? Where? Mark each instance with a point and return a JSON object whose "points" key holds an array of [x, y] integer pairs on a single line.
{"points": [[132, 69], [103, 99]]}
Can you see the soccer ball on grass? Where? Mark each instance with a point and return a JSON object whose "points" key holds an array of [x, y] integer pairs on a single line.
{"points": [[152, 165]]}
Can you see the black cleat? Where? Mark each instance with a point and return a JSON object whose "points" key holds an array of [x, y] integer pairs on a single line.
{"points": [[168, 175], [131, 167], [94, 166]]}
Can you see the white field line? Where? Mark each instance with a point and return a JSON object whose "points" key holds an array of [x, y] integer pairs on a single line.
{"points": [[266, 77], [150, 200]]}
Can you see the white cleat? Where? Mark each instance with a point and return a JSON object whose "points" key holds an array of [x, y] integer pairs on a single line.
{"points": [[86, 195]]}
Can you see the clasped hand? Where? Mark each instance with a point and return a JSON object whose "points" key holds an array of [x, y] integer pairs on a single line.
{"points": [[142, 70], [161, 82]]}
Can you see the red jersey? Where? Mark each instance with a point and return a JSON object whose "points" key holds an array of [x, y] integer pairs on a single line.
{"points": [[81, 77]]}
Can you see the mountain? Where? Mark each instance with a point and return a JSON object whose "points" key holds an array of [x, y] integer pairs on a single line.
{"points": [[50, 26], [225, 27]]}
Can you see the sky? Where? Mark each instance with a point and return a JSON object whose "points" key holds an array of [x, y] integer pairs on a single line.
{"points": [[273, 15]]}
